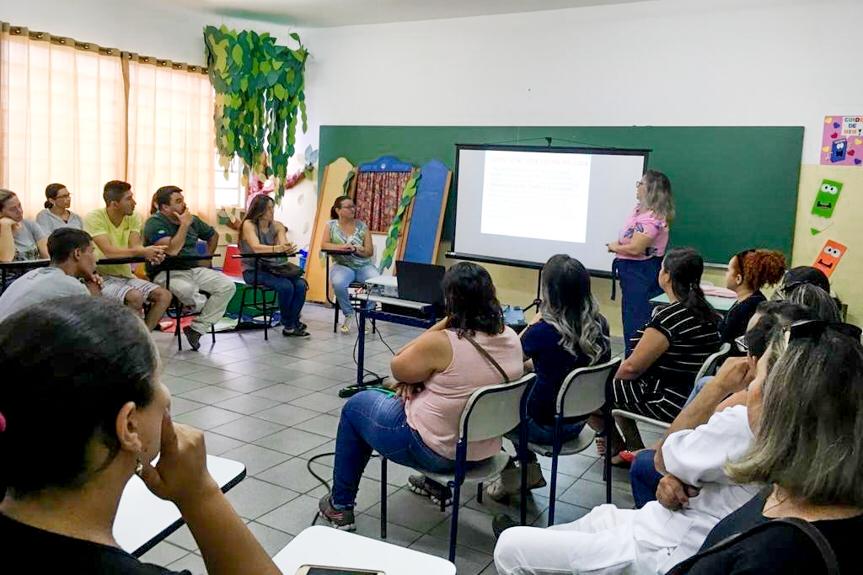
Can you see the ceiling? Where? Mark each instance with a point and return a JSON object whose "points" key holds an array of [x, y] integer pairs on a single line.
{"points": [[328, 13]]}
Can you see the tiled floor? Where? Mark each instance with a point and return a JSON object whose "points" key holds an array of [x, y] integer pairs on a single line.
{"points": [[274, 405]]}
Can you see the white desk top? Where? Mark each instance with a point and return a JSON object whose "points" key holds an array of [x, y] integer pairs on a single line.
{"points": [[330, 547], [143, 519]]}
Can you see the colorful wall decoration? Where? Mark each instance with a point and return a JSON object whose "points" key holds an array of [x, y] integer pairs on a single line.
{"points": [[842, 143]]}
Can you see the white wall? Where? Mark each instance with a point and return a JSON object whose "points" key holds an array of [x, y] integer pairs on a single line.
{"points": [[673, 62]]}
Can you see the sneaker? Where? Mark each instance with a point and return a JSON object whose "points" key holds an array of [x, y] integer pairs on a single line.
{"points": [[509, 482], [193, 337], [339, 518], [346, 325], [422, 485], [500, 523], [295, 332]]}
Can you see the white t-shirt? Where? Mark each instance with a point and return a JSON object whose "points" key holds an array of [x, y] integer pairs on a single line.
{"points": [[37, 286]]}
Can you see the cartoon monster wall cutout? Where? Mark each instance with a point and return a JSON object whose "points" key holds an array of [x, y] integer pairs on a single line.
{"points": [[829, 257], [825, 204]]}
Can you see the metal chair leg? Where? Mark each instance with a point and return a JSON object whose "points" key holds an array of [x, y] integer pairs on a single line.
{"points": [[609, 427], [479, 492], [383, 497], [555, 453], [453, 530]]}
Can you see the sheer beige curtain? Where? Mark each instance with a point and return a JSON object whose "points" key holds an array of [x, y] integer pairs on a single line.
{"points": [[171, 133], [62, 117]]}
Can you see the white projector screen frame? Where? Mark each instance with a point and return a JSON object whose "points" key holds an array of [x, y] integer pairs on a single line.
{"points": [[598, 226]]}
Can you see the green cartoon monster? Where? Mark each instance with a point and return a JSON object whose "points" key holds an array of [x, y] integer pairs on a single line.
{"points": [[825, 203]]}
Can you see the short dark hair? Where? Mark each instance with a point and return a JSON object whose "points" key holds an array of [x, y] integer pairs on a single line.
{"points": [[51, 191], [471, 300], [63, 241], [163, 195], [115, 190], [82, 359]]}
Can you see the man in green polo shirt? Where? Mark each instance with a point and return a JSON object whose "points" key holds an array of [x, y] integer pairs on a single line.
{"points": [[174, 227]]}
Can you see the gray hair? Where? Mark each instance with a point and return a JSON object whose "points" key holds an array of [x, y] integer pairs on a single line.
{"points": [[822, 305], [657, 196], [811, 428]]}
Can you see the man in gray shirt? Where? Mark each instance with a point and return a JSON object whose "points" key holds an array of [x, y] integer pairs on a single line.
{"points": [[72, 260]]}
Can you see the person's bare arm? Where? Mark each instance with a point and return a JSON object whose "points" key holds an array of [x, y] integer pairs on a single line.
{"points": [[43, 248], [650, 347], [173, 244], [636, 247], [366, 250], [135, 249], [326, 244], [7, 240], [735, 374], [429, 353], [181, 476], [213, 243]]}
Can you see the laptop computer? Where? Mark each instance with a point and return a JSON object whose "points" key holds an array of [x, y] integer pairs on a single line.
{"points": [[420, 282]]}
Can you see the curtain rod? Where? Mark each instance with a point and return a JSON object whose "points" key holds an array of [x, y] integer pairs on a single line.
{"points": [[90, 47]]}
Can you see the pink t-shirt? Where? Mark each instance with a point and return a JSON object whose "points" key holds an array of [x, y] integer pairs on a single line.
{"points": [[435, 411], [649, 224]]}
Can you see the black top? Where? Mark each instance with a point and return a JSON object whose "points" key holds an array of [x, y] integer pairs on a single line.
{"points": [[690, 342], [735, 321], [552, 363], [38, 551], [779, 549]]}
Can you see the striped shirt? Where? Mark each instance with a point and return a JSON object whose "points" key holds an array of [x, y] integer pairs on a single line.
{"points": [[691, 341]]}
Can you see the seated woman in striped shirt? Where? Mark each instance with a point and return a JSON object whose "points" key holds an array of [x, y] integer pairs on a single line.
{"points": [[668, 351]]}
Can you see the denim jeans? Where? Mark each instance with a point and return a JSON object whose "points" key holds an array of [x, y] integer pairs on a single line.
{"points": [[342, 276], [699, 385], [291, 291], [543, 434], [644, 478], [373, 420]]}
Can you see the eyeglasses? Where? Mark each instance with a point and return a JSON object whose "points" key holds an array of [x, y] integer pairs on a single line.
{"points": [[348, 208], [813, 328]]}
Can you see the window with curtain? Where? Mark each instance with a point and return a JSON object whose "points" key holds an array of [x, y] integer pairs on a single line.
{"points": [[81, 115]]}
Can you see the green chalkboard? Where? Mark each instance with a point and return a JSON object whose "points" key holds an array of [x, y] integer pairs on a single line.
{"points": [[734, 187]]}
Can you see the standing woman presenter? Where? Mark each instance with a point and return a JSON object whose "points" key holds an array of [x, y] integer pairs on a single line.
{"points": [[639, 251]]}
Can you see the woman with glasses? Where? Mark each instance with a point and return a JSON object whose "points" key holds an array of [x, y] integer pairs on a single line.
{"points": [[749, 271], [639, 250], [57, 213], [351, 237], [807, 420]]}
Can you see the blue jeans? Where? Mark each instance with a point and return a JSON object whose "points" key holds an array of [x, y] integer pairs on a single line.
{"points": [[342, 276], [699, 385], [639, 282], [644, 478], [373, 420], [291, 291]]}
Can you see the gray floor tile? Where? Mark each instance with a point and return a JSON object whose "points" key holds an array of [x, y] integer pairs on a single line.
{"points": [[256, 459], [286, 414], [535, 506], [412, 511], [589, 494], [574, 465], [318, 401], [212, 375], [292, 441], [282, 392], [219, 444], [293, 516], [210, 394], [246, 404], [163, 554], [396, 474], [326, 448], [563, 513], [207, 417], [248, 428], [272, 540], [179, 385], [181, 368], [294, 474], [327, 425], [474, 530], [467, 561], [369, 526], [180, 405], [312, 382], [252, 497], [246, 383], [619, 474]]}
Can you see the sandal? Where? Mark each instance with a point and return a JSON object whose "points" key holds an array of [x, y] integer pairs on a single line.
{"points": [[422, 485]]}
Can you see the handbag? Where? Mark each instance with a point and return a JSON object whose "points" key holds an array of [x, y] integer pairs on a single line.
{"points": [[830, 562], [283, 269]]}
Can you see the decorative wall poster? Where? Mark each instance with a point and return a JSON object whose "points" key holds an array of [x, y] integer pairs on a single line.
{"points": [[842, 144], [825, 203], [829, 257]]}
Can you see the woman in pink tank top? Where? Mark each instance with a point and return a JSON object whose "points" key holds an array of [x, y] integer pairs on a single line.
{"points": [[437, 373]]}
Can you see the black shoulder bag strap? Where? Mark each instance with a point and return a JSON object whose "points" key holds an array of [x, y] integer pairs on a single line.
{"points": [[487, 356], [814, 535]]}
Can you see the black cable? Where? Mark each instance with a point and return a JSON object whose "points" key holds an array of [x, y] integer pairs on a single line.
{"points": [[323, 481]]}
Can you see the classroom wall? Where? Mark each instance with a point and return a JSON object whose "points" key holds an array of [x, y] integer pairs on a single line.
{"points": [[669, 63]]}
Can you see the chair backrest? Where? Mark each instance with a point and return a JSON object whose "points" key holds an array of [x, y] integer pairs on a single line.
{"points": [[712, 363], [583, 389], [494, 410]]}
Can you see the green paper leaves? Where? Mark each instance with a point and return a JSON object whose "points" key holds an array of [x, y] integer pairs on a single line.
{"points": [[395, 227], [259, 96]]}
